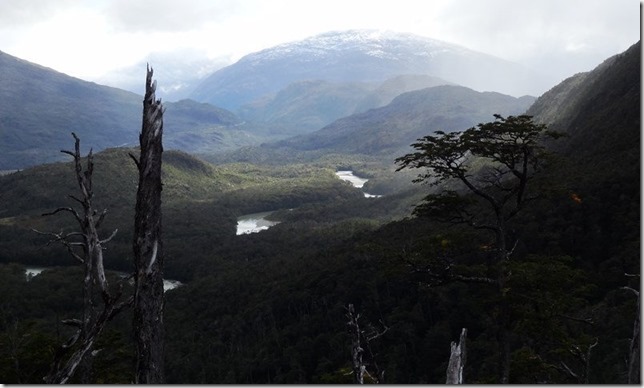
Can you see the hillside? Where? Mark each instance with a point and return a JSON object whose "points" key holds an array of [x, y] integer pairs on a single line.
{"points": [[361, 56], [586, 105], [569, 264], [271, 307], [305, 106], [39, 108], [388, 131], [393, 87], [201, 202]]}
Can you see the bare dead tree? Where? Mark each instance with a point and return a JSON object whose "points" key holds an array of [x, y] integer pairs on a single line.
{"points": [[582, 355], [457, 358], [147, 243], [634, 351], [358, 337], [353, 326], [86, 247]]}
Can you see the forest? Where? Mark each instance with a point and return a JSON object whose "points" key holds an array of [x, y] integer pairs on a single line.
{"points": [[523, 229]]}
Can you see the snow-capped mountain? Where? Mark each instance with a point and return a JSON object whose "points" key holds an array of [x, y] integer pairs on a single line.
{"points": [[362, 56]]}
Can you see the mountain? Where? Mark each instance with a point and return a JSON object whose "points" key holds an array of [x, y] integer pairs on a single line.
{"points": [[361, 56], [389, 130], [595, 110], [306, 106], [600, 160], [176, 72], [39, 107], [271, 307], [391, 88]]}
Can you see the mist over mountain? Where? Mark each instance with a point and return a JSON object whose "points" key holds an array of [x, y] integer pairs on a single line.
{"points": [[40, 107], [306, 106], [391, 88], [272, 307], [366, 56], [596, 111], [177, 73], [389, 130], [384, 133]]}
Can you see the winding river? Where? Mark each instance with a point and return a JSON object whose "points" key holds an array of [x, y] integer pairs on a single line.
{"points": [[249, 223], [357, 182], [253, 223], [256, 222], [167, 283]]}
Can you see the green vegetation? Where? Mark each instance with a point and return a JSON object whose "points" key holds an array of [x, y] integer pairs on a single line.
{"points": [[40, 107], [270, 307]]}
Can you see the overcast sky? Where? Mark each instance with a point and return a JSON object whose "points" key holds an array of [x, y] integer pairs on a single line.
{"points": [[98, 39]]}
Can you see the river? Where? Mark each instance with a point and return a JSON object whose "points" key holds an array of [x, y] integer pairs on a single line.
{"points": [[253, 223], [357, 182], [168, 284], [256, 222]]}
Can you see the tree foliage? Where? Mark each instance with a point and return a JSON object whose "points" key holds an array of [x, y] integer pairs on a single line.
{"points": [[484, 173], [494, 161]]}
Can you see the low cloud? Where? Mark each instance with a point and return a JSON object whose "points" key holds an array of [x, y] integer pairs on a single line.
{"points": [[167, 15], [22, 13]]}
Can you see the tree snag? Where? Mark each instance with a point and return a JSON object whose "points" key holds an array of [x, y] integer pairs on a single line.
{"points": [[357, 335], [457, 358], [634, 349], [148, 245], [91, 257]]}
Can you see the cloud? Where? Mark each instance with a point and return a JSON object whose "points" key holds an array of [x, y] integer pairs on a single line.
{"points": [[23, 13], [167, 15], [559, 37], [91, 38]]}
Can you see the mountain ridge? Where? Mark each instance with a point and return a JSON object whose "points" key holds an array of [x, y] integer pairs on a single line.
{"points": [[360, 55], [39, 107]]}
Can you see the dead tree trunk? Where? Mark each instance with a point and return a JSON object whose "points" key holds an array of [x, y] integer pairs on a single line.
{"points": [[93, 321], [634, 354], [457, 358], [148, 245], [358, 366]]}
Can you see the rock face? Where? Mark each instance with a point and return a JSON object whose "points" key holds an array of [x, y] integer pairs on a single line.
{"points": [[362, 56]]}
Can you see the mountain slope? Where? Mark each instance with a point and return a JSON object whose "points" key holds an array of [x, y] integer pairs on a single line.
{"points": [[393, 87], [599, 111], [361, 56], [588, 105], [39, 107], [389, 130], [305, 106]]}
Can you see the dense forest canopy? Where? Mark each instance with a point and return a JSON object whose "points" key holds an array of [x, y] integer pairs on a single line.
{"points": [[543, 284]]}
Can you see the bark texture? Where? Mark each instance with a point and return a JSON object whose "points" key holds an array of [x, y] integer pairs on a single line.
{"points": [[358, 366], [148, 244], [457, 358], [86, 247], [634, 356]]}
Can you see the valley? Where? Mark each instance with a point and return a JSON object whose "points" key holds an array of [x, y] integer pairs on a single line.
{"points": [[285, 200]]}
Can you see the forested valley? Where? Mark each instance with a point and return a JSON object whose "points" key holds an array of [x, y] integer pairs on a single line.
{"points": [[273, 307]]}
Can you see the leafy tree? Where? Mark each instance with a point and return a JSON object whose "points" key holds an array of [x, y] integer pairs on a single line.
{"points": [[484, 175]]}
